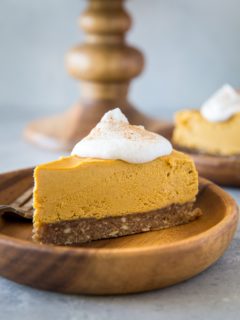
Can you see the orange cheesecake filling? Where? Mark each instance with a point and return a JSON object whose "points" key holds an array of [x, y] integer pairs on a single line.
{"points": [[73, 187]]}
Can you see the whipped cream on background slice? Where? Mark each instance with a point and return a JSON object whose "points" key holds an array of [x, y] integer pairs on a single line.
{"points": [[114, 138], [222, 105]]}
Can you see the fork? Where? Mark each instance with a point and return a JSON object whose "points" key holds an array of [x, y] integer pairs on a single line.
{"points": [[21, 206]]}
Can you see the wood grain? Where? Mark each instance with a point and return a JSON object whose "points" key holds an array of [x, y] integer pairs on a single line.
{"points": [[129, 264], [221, 170]]}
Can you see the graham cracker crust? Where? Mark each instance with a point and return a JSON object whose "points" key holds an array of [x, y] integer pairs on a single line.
{"points": [[89, 229]]}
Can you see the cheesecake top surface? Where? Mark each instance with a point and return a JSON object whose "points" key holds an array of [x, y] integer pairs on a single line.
{"points": [[187, 114], [73, 162]]}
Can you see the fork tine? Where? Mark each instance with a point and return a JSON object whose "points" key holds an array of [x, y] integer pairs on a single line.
{"points": [[28, 205], [23, 198]]}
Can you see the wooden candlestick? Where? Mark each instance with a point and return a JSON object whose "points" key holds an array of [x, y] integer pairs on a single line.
{"points": [[105, 64]]}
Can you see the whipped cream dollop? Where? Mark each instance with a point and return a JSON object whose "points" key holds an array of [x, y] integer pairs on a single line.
{"points": [[222, 105], [114, 138]]}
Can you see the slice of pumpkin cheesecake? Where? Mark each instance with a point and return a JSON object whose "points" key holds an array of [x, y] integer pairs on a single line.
{"points": [[120, 180], [214, 129]]}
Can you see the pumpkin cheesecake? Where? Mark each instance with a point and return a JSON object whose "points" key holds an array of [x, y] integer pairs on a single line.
{"points": [[120, 180], [214, 129]]}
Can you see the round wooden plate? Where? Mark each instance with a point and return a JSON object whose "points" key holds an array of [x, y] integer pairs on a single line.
{"points": [[221, 170], [135, 263]]}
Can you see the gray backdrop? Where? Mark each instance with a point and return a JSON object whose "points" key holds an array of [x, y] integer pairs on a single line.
{"points": [[191, 48]]}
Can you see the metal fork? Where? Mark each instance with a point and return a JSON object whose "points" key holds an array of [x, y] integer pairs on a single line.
{"points": [[20, 207]]}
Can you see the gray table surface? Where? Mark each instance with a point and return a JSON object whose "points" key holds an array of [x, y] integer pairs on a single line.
{"points": [[214, 294]]}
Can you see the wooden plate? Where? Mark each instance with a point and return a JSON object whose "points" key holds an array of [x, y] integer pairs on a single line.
{"points": [[221, 170], [129, 264]]}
